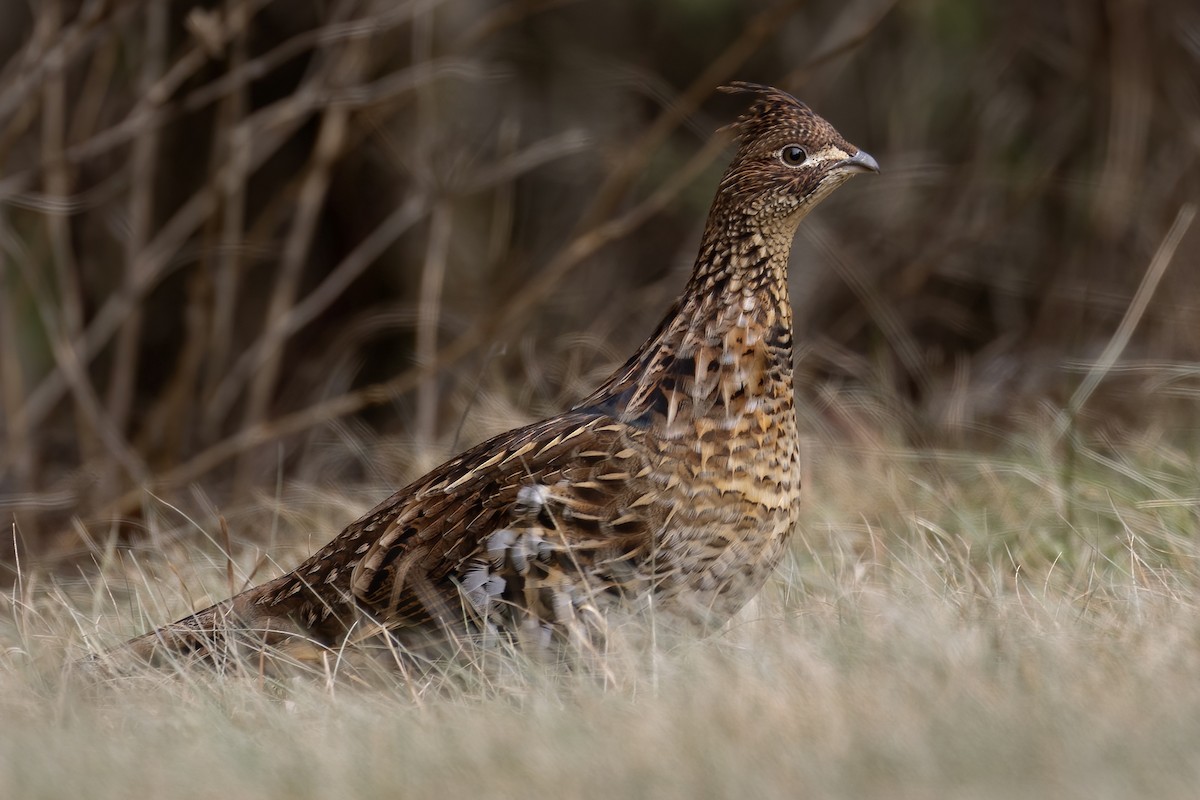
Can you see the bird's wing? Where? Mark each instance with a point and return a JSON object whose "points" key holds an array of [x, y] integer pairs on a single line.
{"points": [[505, 520]]}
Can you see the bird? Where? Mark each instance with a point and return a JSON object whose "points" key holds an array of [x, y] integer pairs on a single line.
{"points": [[673, 486]]}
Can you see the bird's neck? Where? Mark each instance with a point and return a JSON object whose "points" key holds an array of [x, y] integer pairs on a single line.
{"points": [[727, 343], [740, 264]]}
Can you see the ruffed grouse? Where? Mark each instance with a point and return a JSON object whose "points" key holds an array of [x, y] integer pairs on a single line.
{"points": [[673, 486]]}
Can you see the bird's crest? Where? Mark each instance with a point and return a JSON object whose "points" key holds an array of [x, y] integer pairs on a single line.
{"points": [[771, 108]]}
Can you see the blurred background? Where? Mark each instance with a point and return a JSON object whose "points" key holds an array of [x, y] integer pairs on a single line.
{"points": [[252, 243]]}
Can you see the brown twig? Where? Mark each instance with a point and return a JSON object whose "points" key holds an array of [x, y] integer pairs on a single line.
{"points": [[141, 217], [718, 71], [331, 139]]}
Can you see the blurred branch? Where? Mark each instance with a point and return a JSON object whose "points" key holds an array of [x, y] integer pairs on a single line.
{"points": [[266, 130], [889, 322], [344, 67], [1133, 315], [66, 319], [158, 257], [23, 76], [429, 303], [1129, 114], [231, 148], [506, 16], [395, 225], [141, 219], [860, 32], [154, 110], [718, 71], [18, 438]]}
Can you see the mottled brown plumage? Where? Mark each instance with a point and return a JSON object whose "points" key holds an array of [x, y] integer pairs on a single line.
{"points": [[675, 484]]}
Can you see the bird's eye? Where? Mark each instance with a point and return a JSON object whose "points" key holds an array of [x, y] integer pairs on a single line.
{"points": [[793, 155]]}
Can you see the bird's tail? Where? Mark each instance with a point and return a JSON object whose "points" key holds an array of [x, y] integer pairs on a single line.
{"points": [[206, 636], [221, 634]]}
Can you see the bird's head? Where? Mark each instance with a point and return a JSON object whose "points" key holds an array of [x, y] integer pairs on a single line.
{"points": [[788, 159]]}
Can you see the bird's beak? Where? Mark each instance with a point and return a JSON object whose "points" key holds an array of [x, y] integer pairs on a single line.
{"points": [[860, 162]]}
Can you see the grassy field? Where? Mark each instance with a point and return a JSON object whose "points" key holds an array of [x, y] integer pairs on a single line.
{"points": [[950, 624]]}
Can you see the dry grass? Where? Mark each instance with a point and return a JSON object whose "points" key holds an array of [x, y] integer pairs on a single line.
{"points": [[952, 624]]}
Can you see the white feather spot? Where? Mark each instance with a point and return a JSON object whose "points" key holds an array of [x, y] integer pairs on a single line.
{"points": [[533, 497], [498, 544], [475, 578]]}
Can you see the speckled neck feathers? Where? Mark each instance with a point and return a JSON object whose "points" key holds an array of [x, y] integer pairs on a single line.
{"points": [[726, 341]]}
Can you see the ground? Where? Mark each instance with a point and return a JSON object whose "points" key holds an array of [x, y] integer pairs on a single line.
{"points": [[1015, 621]]}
